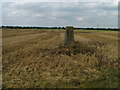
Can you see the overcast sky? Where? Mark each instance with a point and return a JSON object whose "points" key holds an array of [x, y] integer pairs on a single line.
{"points": [[78, 14]]}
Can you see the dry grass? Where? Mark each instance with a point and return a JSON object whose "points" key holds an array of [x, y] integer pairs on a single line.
{"points": [[36, 58]]}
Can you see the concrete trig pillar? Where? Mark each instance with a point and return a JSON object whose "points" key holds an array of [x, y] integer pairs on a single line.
{"points": [[69, 35]]}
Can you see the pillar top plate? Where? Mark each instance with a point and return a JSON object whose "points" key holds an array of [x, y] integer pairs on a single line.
{"points": [[69, 26]]}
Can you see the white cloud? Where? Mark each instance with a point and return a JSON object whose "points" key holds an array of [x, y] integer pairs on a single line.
{"points": [[80, 19], [15, 13], [18, 4], [39, 15], [115, 3], [115, 13], [91, 4], [103, 13], [53, 18]]}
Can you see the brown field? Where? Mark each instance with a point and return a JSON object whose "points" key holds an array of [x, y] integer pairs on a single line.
{"points": [[36, 58]]}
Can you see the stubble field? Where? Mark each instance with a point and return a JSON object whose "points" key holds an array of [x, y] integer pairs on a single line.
{"points": [[34, 58]]}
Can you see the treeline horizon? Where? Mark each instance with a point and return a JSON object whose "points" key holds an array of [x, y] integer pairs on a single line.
{"points": [[36, 27]]}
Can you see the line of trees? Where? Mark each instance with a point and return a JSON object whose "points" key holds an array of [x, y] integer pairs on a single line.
{"points": [[30, 27], [33, 27], [104, 29]]}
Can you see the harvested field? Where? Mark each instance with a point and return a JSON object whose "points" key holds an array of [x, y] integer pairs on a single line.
{"points": [[34, 58]]}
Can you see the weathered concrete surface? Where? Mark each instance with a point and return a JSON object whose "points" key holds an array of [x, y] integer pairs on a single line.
{"points": [[69, 35]]}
